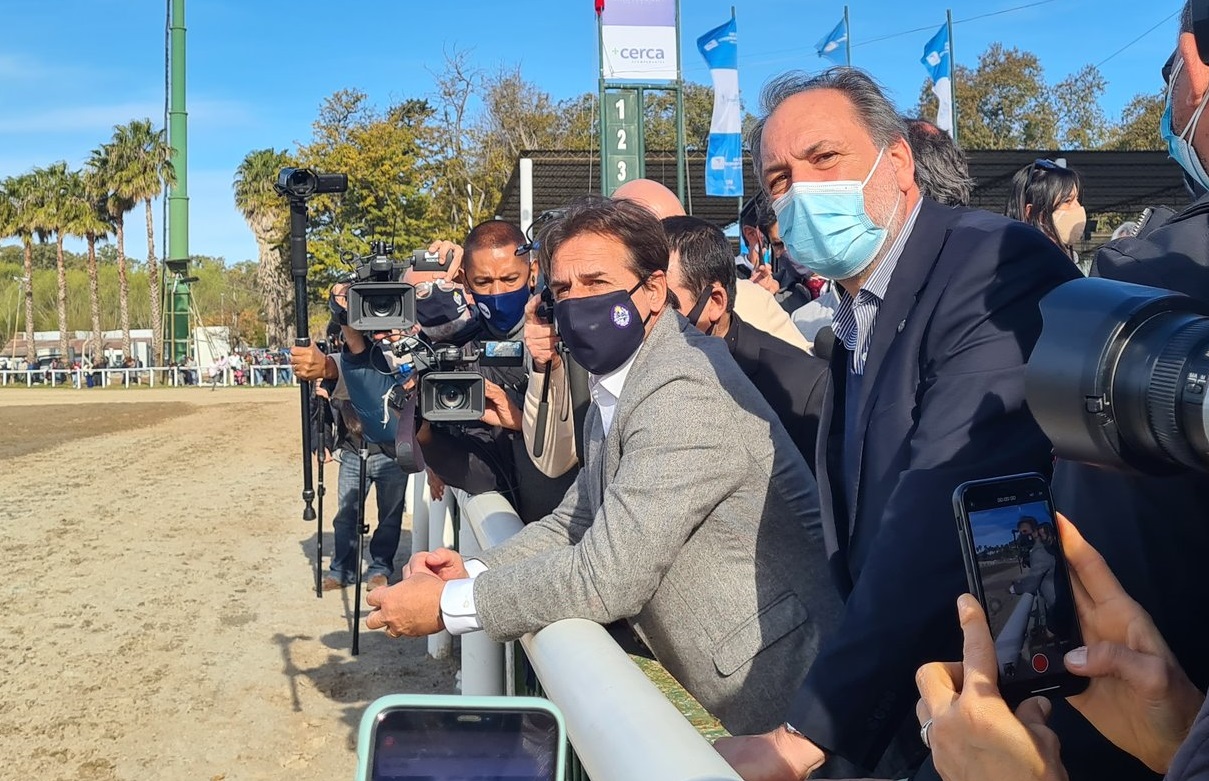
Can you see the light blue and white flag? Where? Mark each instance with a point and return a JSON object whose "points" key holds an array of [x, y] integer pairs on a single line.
{"points": [[834, 47], [939, 64], [724, 159]]}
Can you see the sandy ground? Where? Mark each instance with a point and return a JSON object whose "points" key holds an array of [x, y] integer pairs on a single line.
{"points": [[157, 614]]}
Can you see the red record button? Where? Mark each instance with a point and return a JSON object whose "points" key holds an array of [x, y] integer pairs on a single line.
{"points": [[1040, 662]]}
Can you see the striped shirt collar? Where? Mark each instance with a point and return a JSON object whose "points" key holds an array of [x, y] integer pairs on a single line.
{"points": [[854, 317]]}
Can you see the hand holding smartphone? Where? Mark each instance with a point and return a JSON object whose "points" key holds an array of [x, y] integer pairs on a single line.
{"points": [[1016, 568]]}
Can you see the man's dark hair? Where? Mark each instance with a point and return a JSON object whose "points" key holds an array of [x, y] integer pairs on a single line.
{"points": [[631, 224], [705, 256], [941, 168], [758, 213], [490, 235]]}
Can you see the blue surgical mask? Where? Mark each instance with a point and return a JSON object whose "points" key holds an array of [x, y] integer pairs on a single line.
{"points": [[501, 312], [1179, 147], [826, 229]]}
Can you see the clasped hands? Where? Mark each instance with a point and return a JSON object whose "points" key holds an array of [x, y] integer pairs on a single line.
{"points": [[412, 607], [1138, 696]]}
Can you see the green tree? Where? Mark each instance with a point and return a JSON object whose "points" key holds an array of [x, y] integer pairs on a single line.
{"points": [[660, 117], [143, 169], [60, 190], [267, 216], [91, 222], [105, 166], [1081, 121], [1005, 103], [1139, 125], [386, 155], [21, 193]]}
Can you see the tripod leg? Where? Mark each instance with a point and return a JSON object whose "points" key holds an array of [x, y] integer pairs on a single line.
{"points": [[361, 491], [320, 491]]}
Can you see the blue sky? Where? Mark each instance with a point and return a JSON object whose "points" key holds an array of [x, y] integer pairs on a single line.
{"points": [[258, 69]]}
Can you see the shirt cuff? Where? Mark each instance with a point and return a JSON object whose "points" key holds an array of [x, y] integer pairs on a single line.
{"points": [[457, 601]]}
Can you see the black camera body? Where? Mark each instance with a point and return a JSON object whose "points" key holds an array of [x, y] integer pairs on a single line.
{"points": [[378, 299], [450, 386]]}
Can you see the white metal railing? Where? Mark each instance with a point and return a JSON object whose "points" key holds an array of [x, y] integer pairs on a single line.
{"points": [[616, 705], [168, 376]]}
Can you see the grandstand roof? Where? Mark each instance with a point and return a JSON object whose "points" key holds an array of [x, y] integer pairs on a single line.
{"points": [[1125, 182]]}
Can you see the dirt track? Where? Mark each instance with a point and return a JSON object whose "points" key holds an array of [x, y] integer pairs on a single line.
{"points": [[157, 614]]}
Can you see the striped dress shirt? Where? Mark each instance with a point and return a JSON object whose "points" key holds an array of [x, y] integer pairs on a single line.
{"points": [[854, 317]]}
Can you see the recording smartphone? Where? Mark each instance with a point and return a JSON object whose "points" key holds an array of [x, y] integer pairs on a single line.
{"points": [[407, 737], [1015, 566]]}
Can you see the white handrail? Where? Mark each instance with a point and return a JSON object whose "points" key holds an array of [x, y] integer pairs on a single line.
{"points": [[621, 726]]}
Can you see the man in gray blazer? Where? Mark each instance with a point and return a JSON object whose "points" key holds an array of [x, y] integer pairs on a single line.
{"points": [[694, 516]]}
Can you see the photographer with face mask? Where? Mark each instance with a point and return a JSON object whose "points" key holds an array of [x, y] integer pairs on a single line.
{"points": [[487, 303]]}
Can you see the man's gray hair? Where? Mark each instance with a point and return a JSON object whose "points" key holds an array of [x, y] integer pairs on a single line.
{"points": [[875, 111], [941, 168]]}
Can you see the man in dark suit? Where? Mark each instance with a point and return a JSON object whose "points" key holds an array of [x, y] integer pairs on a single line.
{"points": [[937, 316], [701, 275]]}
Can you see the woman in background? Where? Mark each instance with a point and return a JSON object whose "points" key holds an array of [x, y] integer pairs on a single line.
{"points": [[1046, 196]]}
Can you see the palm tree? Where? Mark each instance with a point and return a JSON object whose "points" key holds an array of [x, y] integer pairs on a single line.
{"points": [[266, 212], [22, 194], [144, 169], [102, 165], [92, 223], [60, 192]]}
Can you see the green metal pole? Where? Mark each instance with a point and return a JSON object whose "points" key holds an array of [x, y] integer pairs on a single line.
{"points": [[680, 156], [952, 71], [178, 195]]}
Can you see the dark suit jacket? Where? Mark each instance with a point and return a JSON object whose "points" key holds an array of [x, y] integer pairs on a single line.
{"points": [[942, 402], [792, 381]]}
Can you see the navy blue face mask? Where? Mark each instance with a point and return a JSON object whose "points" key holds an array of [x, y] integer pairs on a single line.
{"points": [[503, 311], [601, 331]]}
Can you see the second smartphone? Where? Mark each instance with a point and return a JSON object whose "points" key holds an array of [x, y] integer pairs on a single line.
{"points": [[1015, 566]]}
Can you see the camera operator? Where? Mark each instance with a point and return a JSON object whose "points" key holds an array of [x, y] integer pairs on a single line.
{"points": [[359, 380], [499, 275]]}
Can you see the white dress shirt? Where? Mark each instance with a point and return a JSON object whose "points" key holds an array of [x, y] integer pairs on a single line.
{"points": [[457, 598]]}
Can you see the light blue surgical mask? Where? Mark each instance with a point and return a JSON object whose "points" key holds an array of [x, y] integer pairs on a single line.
{"points": [[1179, 147], [826, 229]]}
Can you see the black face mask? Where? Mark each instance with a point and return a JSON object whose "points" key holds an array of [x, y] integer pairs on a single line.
{"points": [[602, 331], [440, 307], [695, 314]]}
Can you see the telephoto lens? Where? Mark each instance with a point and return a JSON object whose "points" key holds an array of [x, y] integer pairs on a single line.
{"points": [[1119, 376]]}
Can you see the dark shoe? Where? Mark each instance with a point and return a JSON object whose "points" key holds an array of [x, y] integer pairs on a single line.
{"points": [[376, 581], [331, 584]]}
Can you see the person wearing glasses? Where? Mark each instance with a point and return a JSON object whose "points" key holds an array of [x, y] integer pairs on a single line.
{"points": [[1046, 194]]}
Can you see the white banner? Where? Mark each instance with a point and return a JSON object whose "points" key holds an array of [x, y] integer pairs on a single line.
{"points": [[638, 40]]}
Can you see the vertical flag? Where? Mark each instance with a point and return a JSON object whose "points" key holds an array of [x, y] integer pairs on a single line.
{"points": [[937, 60], [834, 47], [724, 159]]}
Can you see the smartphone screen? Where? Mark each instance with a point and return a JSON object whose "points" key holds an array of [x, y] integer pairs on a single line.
{"points": [[1017, 570], [437, 744]]}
